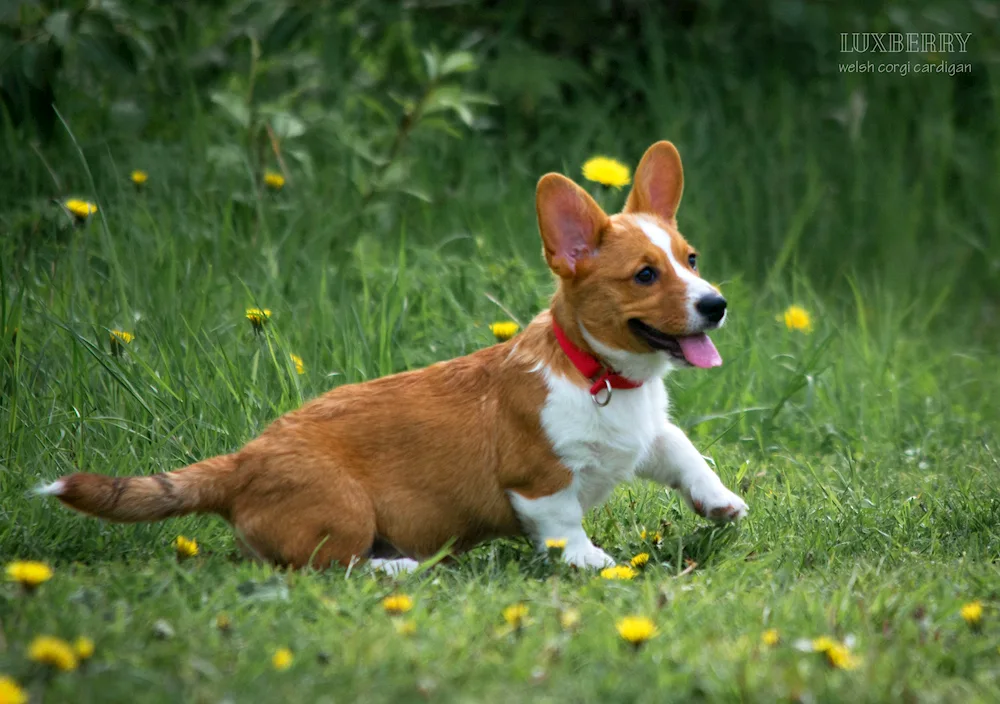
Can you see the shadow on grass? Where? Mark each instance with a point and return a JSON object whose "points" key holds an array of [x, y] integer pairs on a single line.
{"points": [[703, 546]]}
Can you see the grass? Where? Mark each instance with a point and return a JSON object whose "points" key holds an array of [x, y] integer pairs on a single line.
{"points": [[867, 449]]}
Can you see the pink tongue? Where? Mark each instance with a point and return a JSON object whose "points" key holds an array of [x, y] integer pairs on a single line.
{"points": [[700, 351]]}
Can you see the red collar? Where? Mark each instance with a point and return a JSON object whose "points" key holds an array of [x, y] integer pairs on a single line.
{"points": [[603, 378]]}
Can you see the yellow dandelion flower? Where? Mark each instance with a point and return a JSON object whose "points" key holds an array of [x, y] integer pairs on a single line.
{"points": [[397, 604], [972, 613], [404, 627], [840, 657], [282, 659], [300, 367], [120, 338], [516, 615], [52, 651], [504, 330], [223, 622], [640, 560], [28, 573], [139, 177], [569, 619], [80, 209], [770, 637], [607, 172], [823, 644], [656, 538], [257, 317], [618, 572], [797, 318], [555, 547], [636, 630], [274, 180], [185, 547], [11, 692], [84, 648]]}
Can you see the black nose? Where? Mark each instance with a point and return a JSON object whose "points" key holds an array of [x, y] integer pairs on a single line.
{"points": [[712, 306]]}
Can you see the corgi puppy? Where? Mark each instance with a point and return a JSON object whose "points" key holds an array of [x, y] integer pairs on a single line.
{"points": [[519, 438]]}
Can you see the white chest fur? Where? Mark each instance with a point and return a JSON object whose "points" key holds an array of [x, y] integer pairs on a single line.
{"points": [[602, 445]]}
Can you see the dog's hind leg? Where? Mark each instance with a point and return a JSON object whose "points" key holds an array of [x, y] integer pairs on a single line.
{"points": [[311, 527]]}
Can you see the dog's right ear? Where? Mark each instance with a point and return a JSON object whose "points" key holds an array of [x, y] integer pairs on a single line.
{"points": [[570, 221]]}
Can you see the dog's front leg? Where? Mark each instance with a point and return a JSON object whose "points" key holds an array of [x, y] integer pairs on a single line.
{"points": [[559, 516], [674, 461]]}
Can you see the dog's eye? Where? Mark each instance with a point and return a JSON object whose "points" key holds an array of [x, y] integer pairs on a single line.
{"points": [[693, 261], [646, 275]]}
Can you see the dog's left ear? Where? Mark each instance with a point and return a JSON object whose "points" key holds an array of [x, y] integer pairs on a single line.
{"points": [[659, 182], [570, 221]]}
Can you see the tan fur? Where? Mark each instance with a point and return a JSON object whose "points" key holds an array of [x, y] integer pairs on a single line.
{"points": [[408, 462], [202, 487]]}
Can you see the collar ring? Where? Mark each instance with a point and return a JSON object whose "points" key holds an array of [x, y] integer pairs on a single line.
{"points": [[596, 395]]}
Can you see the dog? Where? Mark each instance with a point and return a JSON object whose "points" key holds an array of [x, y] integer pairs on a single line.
{"points": [[520, 438]]}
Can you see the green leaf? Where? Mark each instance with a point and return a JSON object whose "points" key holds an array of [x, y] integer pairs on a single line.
{"points": [[395, 176], [226, 156], [440, 124], [432, 63], [458, 62], [374, 106], [453, 98], [414, 191], [287, 126], [59, 25], [234, 106]]}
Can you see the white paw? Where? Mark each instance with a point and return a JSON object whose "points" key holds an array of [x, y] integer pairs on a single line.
{"points": [[719, 504], [394, 567], [588, 556]]}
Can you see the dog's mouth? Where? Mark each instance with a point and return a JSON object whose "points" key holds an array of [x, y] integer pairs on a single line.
{"points": [[694, 350]]}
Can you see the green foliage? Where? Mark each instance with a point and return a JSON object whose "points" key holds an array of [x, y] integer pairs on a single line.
{"points": [[281, 103], [276, 94], [91, 46]]}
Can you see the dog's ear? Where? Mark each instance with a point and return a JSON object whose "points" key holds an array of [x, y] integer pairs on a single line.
{"points": [[570, 221], [659, 182]]}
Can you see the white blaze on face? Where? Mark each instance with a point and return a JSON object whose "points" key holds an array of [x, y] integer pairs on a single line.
{"points": [[696, 286]]}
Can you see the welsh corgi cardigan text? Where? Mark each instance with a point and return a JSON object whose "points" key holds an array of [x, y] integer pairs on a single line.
{"points": [[519, 438]]}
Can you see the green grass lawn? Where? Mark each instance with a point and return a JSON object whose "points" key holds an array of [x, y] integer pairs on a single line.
{"points": [[866, 448]]}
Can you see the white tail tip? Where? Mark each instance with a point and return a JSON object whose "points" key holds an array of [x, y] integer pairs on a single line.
{"points": [[56, 488]]}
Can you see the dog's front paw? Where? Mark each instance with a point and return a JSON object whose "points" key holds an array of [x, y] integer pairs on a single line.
{"points": [[719, 504], [588, 556]]}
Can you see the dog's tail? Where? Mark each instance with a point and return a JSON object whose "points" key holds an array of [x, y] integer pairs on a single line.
{"points": [[203, 487]]}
